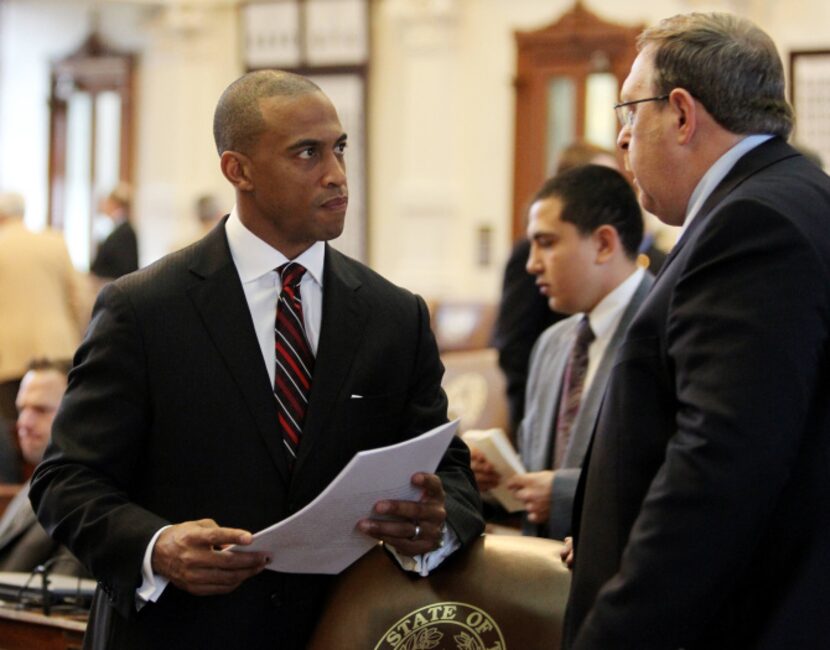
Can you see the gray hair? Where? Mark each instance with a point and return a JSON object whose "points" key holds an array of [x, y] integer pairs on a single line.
{"points": [[728, 64], [238, 119]]}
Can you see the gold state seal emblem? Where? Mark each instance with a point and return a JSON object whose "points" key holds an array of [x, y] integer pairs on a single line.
{"points": [[444, 626]]}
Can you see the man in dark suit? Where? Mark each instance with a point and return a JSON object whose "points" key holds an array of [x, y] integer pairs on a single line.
{"points": [[23, 543], [117, 255], [704, 519], [174, 438]]}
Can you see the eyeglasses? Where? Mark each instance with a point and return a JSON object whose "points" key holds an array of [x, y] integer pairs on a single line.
{"points": [[626, 115]]}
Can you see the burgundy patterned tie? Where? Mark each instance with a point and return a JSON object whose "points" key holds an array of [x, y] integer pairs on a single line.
{"points": [[295, 363], [572, 384]]}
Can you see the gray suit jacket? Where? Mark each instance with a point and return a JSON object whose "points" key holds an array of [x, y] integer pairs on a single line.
{"points": [[535, 436], [24, 544]]}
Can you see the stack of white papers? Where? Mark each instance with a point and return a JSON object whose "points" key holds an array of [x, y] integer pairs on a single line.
{"points": [[322, 538], [498, 451]]}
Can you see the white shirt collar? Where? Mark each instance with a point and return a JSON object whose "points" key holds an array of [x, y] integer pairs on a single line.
{"points": [[605, 316], [716, 173], [254, 258]]}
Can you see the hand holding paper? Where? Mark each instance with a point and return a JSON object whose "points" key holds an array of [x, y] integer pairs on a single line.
{"points": [[533, 490], [497, 450], [417, 526], [189, 555], [486, 475], [324, 536]]}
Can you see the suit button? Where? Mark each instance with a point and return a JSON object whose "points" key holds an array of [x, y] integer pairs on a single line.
{"points": [[276, 601]]}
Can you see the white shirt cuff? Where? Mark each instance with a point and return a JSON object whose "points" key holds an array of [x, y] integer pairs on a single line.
{"points": [[423, 564], [152, 585]]}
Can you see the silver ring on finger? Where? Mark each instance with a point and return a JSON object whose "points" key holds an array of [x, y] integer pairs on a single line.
{"points": [[417, 533]]}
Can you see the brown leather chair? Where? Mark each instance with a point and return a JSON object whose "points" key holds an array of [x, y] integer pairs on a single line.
{"points": [[502, 592]]}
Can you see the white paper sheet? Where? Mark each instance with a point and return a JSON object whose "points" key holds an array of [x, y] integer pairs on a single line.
{"points": [[322, 538]]}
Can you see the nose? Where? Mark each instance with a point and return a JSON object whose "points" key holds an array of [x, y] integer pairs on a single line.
{"points": [[24, 421], [335, 175], [533, 266], [623, 137]]}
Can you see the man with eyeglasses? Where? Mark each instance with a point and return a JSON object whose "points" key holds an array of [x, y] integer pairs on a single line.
{"points": [[702, 518]]}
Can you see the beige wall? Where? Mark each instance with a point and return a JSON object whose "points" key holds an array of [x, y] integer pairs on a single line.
{"points": [[440, 114]]}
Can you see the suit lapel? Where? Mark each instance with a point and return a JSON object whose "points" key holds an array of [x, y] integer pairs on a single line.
{"points": [[341, 330], [542, 453], [587, 416], [219, 298]]}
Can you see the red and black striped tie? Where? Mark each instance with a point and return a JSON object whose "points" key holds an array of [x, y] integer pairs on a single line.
{"points": [[295, 362]]}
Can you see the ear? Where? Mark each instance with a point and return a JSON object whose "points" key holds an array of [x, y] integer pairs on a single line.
{"points": [[236, 167], [685, 109], [607, 243]]}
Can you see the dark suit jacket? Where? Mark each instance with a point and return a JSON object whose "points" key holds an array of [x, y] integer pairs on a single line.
{"points": [[170, 416], [118, 254], [705, 519]]}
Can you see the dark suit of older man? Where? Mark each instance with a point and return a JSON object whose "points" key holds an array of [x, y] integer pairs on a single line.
{"points": [[704, 522]]}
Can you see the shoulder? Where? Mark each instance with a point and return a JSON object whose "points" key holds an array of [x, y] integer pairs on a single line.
{"points": [[169, 277], [369, 284], [559, 333], [553, 343]]}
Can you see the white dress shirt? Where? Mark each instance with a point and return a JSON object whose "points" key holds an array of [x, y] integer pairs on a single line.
{"points": [[604, 319], [715, 174]]}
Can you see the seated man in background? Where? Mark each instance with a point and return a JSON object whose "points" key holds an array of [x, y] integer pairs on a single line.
{"points": [[585, 228], [23, 543]]}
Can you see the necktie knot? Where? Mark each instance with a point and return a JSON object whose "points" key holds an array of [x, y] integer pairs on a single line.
{"points": [[584, 334], [290, 274]]}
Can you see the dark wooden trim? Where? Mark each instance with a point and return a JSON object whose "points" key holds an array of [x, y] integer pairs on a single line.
{"points": [[562, 48], [94, 67], [794, 54], [308, 70]]}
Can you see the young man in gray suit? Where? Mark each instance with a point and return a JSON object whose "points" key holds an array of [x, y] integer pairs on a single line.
{"points": [[585, 228]]}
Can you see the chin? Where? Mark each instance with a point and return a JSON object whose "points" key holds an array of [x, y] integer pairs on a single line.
{"points": [[334, 230]]}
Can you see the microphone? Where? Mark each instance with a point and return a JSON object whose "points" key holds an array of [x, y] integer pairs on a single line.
{"points": [[43, 570]]}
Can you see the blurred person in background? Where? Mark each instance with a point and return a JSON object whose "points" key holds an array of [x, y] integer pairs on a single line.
{"points": [[117, 254], [44, 302]]}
